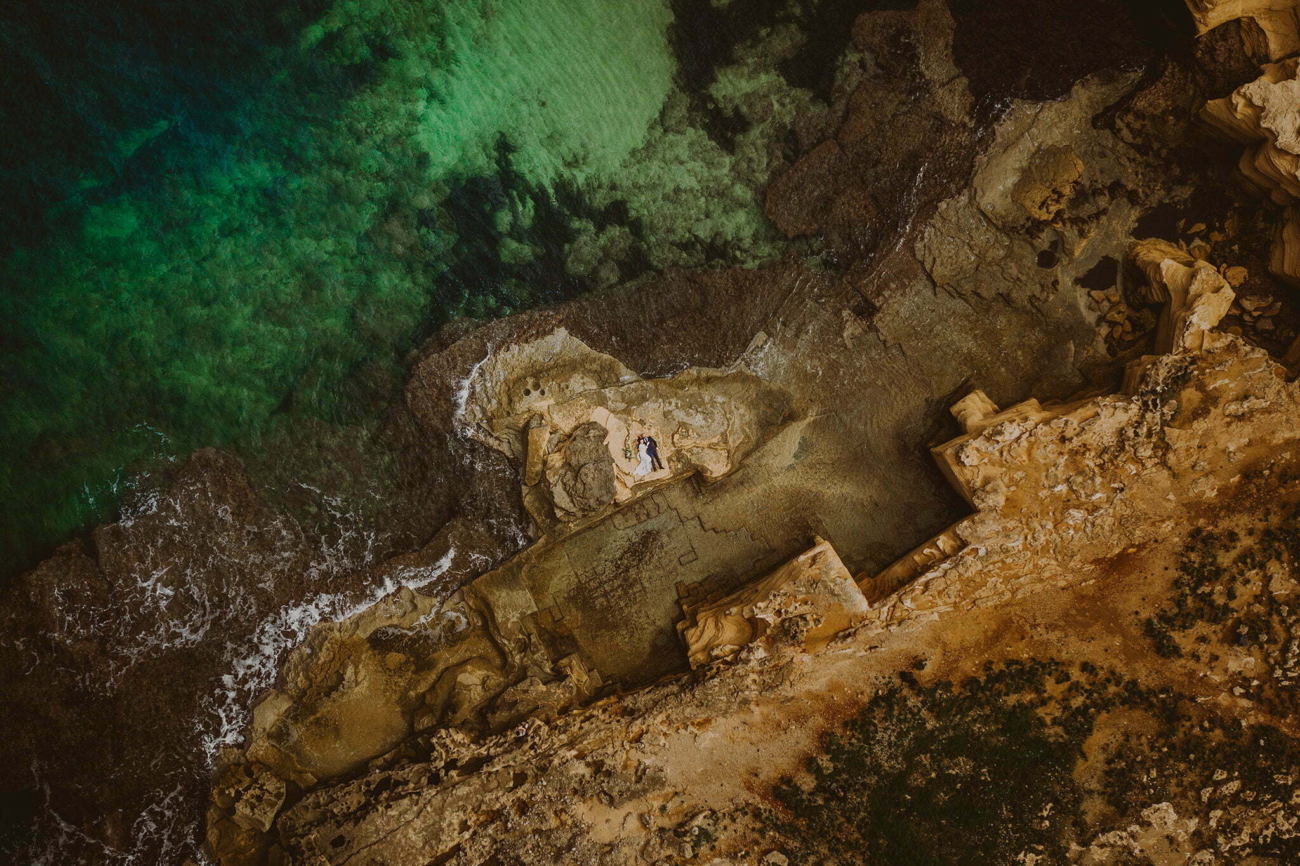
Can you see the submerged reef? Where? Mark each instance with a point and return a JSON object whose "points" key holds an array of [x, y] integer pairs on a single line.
{"points": [[399, 165]]}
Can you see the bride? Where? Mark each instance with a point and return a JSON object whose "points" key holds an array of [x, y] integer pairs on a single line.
{"points": [[646, 466]]}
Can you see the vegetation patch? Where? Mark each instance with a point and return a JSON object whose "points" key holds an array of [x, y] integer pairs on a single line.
{"points": [[1030, 760]]}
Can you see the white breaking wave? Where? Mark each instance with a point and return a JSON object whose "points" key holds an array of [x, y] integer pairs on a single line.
{"points": [[166, 831], [254, 670], [463, 391], [156, 607]]}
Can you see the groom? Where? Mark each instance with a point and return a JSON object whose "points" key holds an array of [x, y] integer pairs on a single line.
{"points": [[652, 449]]}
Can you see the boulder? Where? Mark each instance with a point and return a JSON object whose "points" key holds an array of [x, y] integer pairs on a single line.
{"points": [[581, 472], [1195, 295], [246, 799], [804, 603], [1052, 176], [351, 692]]}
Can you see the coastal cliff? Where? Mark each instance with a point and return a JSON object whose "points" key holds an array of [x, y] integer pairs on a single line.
{"points": [[972, 540]]}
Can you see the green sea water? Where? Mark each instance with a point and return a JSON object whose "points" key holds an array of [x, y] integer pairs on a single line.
{"points": [[393, 164]]}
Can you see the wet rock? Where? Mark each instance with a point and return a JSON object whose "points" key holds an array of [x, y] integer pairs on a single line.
{"points": [[245, 802], [111, 653], [848, 189], [990, 240]]}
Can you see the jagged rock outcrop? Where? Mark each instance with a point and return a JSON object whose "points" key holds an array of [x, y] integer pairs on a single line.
{"points": [[572, 418], [1194, 296], [1263, 115], [813, 596], [855, 178], [410, 667], [1081, 509], [1274, 24], [1010, 234], [582, 474]]}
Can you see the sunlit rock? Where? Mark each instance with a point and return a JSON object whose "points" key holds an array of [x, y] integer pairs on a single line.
{"points": [[805, 602], [572, 417], [1080, 512]]}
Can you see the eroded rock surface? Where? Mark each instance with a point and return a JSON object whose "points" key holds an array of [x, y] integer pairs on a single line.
{"points": [[573, 417], [1276, 23], [945, 700], [813, 596], [945, 231]]}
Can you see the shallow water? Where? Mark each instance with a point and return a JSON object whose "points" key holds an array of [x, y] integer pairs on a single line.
{"points": [[231, 249]]}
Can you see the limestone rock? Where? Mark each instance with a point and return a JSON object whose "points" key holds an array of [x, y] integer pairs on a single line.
{"points": [[461, 690], [572, 417], [814, 588], [581, 472], [352, 691], [1012, 234], [535, 698], [971, 410], [1264, 115], [1076, 506], [1195, 295], [535, 456], [1278, 20], [524, 378], [1051, 178], [245, 802]]}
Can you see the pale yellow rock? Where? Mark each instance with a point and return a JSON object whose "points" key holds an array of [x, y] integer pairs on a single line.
{"points": [[1196, 296], [1236, 275], [1279, 20], [904, 571], [971, 410], [246, 798], [346, 699], [531, 400], [461, 690], [519, 380], [1051, 178], [814, 586], [260, 800]]}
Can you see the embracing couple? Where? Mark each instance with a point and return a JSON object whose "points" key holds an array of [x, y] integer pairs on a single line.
{"points": [[648, 450]]}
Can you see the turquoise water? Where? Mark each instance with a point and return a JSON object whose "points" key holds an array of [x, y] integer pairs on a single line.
{"points": [[224, 264]]}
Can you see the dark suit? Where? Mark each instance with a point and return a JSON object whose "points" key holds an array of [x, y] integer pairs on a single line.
{"points": [[652, 448]]}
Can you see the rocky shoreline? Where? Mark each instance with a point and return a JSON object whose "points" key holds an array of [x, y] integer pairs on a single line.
{"points": [[527, 652]]}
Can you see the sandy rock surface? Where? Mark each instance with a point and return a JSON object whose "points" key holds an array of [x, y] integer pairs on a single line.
{"points": [[1081, 509]]}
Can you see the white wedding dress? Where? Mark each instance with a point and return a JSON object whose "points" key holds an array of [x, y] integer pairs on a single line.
{"points": [[646, 466]]}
